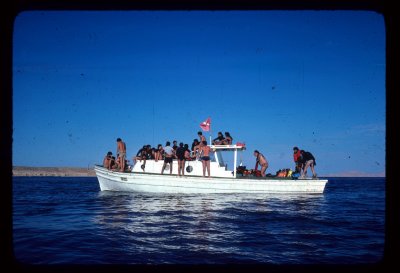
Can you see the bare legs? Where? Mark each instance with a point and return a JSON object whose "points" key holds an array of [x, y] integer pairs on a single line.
{"points": [[206, 166]]}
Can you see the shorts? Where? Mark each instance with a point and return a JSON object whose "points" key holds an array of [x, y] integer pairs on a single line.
{"points": [[205, 158], [168, 160], [310, 162], [122, 155]]}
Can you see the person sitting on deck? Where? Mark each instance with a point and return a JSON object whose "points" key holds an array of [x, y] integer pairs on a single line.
{"points": [[228, 139], [141, 155], [218, 140], [195, 148], [260, 159], [116, 164], [158, 153], [107, 160]]}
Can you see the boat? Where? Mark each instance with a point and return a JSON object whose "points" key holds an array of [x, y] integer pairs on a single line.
{"points": [[148, 178]]}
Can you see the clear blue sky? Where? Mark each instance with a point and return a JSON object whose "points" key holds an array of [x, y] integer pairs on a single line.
{"points": [[273, 79]]}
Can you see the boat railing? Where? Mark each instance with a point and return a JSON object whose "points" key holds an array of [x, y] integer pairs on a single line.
{"points": [[228, 147]]}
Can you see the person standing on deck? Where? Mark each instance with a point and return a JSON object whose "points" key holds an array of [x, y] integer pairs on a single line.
{"points": [[121, 151], [202, 138], [308, 160], [180, 154], [297, 160], [169, 154], [205, 158], [260, 159]]}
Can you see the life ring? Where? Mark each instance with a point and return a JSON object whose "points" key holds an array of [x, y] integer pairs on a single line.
{"points": [[189, 169]]}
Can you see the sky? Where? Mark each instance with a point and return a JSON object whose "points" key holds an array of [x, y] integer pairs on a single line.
{"points": [[273, 79]]}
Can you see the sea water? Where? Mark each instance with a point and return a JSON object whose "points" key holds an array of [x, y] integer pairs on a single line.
{"points": [[64, 220]]}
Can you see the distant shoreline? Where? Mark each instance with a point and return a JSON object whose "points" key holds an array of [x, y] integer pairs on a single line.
{"points": [[52, 171]]}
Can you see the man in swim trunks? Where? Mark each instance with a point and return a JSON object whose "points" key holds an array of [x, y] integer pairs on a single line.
{"points": [[121, 151], [205, 157], [169, 154]]}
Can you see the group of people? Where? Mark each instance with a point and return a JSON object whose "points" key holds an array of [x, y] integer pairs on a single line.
{"points": [[118, 163], [182, 153], [221, 140], [200, 150], [303, 160]]}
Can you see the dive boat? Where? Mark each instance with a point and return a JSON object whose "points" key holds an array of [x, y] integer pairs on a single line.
{"points": [[148, 178]]}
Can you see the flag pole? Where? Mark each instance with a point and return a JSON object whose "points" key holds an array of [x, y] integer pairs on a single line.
{"points": [[210, 133]]}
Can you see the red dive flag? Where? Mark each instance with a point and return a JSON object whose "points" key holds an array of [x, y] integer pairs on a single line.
{"points": [[205, 125]]}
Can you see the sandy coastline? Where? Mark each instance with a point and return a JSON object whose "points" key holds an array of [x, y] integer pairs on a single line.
{"points": [[51, 171]]}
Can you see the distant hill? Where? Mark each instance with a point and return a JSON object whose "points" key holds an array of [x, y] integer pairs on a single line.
{"points": [[51, 171]]}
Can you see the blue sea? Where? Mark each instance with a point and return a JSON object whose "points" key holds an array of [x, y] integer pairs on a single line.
{"points": [[64, 220]]}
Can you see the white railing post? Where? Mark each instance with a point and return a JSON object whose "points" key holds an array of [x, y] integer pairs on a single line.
{"points": [[234, 163]]}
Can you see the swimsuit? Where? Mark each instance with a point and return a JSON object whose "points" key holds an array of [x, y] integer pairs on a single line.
{"points": [[205, 158]]}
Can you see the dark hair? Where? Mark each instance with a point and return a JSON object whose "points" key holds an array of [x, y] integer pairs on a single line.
{"points": [[256, 151], [109, 153], [168, 143], [118, 139], [199, 133], [295, 148]]}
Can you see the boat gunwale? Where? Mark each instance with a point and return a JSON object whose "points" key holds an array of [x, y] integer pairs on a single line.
{"points": [[221, 179]]}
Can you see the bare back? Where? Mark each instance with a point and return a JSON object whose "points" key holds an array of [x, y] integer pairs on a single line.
{"points": [[205, 150]]}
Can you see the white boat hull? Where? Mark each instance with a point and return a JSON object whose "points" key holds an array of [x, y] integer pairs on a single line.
{"points": [[157, 183]]}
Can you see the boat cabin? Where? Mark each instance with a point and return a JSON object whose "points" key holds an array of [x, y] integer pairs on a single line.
{"points": [[218, 167]]}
